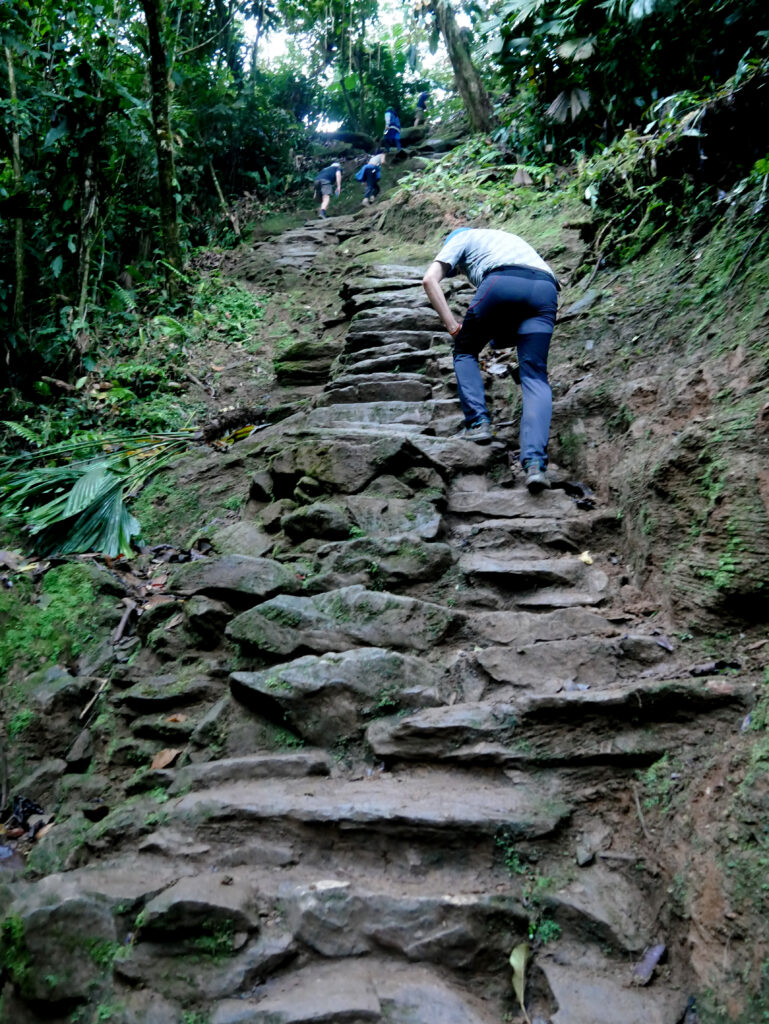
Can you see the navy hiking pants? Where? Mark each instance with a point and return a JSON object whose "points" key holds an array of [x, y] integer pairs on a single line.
{"points": [[513, 306]]}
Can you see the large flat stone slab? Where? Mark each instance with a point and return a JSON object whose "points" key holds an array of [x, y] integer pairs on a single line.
{"points": [[340, 620], [530, 627], [590, 661], [333, 696], [196, 904], [386, 561], [423, 803], [404, 298], [509, 502], [338, 919], [453, 455], [602, 727]]}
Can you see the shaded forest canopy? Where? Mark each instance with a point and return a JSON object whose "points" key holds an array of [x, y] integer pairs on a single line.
{"points": [[139, 137], [120, 126]]}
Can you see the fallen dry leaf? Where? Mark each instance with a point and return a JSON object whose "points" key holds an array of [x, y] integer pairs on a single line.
{"points": [[586, 557], [178, 717], [175, 620], [164, 758]]}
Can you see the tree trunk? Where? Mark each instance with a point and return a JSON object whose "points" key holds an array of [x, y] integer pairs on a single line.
{"points": [[469, 83], [18, 235], [351, 112], [155, 14]]}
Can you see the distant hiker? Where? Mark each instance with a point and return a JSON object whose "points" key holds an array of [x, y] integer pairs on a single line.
{"points": [[421, 113], [392, 132], [515, 304], [327, 180], [370, 173]]}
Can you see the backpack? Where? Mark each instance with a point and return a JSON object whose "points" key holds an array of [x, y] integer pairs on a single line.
{"points": [[394, 119]]}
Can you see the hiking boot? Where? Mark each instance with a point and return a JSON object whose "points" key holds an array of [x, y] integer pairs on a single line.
{"points": [[365, 202], [322, 213], [480, 431], [536, 477]]}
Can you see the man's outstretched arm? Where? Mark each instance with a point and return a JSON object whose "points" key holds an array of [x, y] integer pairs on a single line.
{"points": [[431, 283]]}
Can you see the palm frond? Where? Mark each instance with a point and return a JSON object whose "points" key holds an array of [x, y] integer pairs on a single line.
{"points": [[71, 497]]}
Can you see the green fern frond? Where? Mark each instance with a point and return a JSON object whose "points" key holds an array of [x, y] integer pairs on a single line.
{"points": [[29, 435]]}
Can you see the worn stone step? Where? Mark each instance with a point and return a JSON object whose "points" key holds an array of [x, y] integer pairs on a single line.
{"points": [[610, 726], [383, 348], [376, 387], [421, 414], [360, 341], [396, 317], [426, 804], [244, 769], [590, 661], [339, 620], [523, 571], [406, 360], [521, 628], [563, 533], [508, 502], [380, 283], [405, 298], [357, 991]]}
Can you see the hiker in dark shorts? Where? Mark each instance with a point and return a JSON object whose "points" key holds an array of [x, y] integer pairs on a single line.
{"points": [[327, 180], [392, 132], [515, 304], [421, 113]]}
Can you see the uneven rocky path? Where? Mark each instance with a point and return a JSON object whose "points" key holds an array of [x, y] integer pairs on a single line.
{"points": [[424, 757]]}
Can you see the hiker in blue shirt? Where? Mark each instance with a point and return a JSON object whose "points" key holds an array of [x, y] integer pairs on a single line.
{"points": [[515, 304], [421, 113], [370, 173], [392, 132]]}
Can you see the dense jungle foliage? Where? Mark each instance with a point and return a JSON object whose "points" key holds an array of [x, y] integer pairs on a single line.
{"points": [[138, 135]]}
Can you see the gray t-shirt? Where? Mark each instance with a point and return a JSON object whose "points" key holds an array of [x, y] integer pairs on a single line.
{"points": [[477, 251]]}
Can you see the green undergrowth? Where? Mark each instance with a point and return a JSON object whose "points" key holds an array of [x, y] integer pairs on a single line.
{"points": [[142, 375], [48, 625]]}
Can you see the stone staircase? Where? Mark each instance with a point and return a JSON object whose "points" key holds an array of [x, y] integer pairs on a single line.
{"points": [[424, 757]]}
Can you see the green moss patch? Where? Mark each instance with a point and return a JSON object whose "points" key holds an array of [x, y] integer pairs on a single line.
{"points": [[53, 625]]}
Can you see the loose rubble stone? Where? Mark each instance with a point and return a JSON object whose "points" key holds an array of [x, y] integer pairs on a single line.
{"points": [[322, 519], [196, 904]]}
